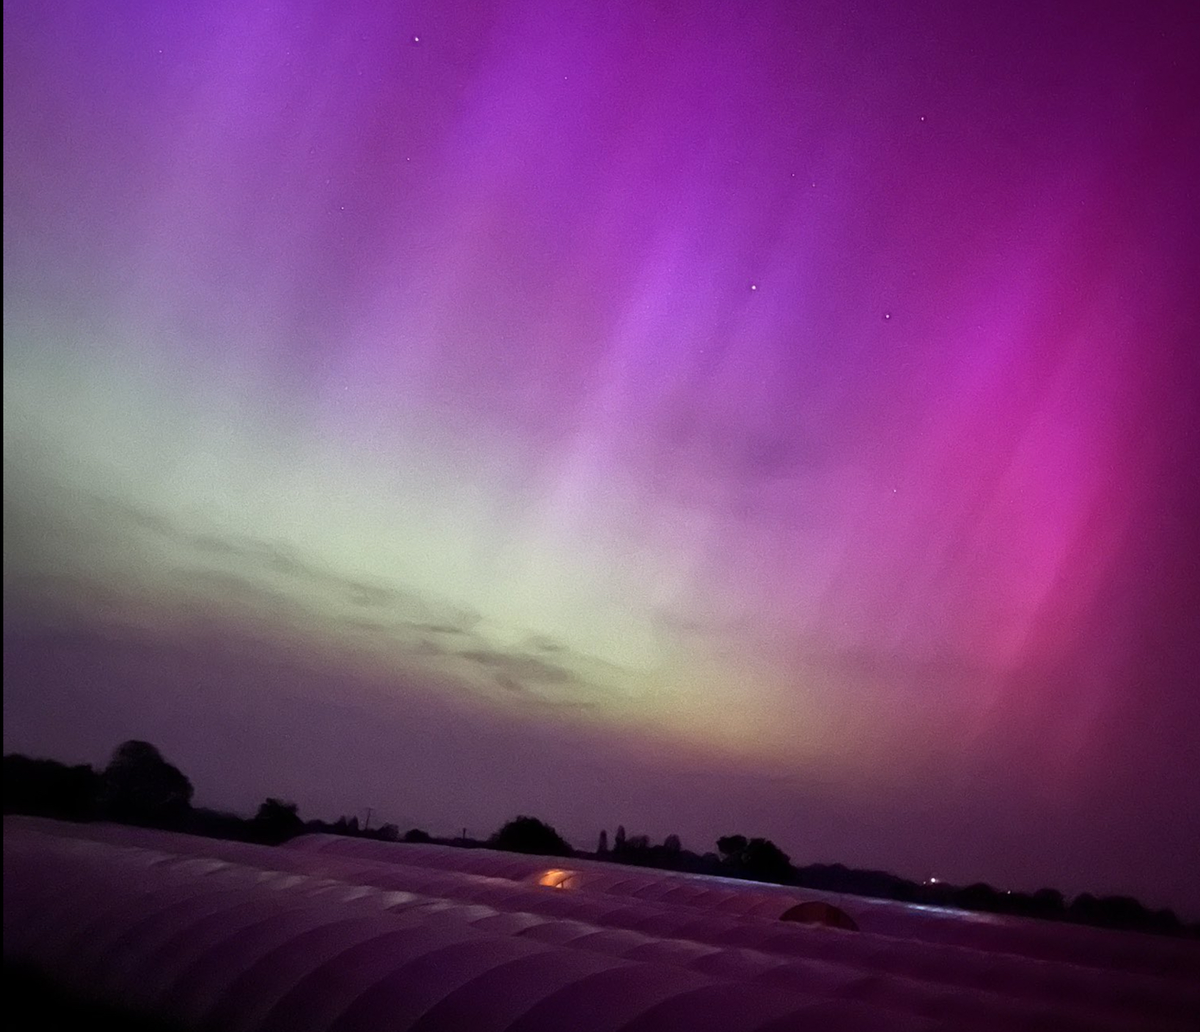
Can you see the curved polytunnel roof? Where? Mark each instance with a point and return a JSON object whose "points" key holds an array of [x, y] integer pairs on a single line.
{"points": [[655, 918], [231, 931], [1094, 947], [233, 946], [938, 966], [1152, 955], [1166, 961]]}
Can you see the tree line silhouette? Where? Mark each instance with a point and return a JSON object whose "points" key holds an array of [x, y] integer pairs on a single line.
{"points": [[139, 787]]}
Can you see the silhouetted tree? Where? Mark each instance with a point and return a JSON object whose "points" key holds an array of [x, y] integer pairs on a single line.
{"points": [[979, 896], [731, 848], [388, 833], [764, 860], [140, 787], [529, 835], [1111, 911], [757, 858], [1165, 921], [672, 844], [1049, 902], [345, 825], [602, 845], [277, 821], [47, 788], [417, 835], [619, 839]]}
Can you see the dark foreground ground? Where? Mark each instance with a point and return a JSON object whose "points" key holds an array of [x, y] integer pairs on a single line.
{"points": [[34, 1003]]}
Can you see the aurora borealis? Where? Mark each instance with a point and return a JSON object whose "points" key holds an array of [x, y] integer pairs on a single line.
{"points": [[772, 417]]}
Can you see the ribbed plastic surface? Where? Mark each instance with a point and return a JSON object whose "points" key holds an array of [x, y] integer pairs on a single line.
{"points": [[353, 934]]}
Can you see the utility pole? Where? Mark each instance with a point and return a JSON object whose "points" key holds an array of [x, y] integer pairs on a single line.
{"points": [[367, 826]]}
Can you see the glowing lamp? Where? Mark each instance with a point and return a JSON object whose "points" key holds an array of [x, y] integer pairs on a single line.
{"points": [[557, 879]]}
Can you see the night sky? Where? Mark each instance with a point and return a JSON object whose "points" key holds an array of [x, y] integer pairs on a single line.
{"points": [[776, 418]]}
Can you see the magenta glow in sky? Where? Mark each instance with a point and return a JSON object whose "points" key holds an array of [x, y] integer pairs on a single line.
{"points": [[800, 390]]}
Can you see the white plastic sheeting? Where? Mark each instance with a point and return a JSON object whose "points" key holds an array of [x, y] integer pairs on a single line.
{"points": [[1077, 944], [231, 945], [227, 935]]}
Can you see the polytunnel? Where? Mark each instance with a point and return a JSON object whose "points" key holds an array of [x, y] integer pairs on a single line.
{"points": [[236, 946], [217, 934], [1024, 937]]}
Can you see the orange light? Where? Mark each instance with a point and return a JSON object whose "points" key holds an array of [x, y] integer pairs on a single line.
{"points": [[556, 879]]}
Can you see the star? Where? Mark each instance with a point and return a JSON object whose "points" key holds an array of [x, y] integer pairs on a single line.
{"points": [[753, 286]]}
